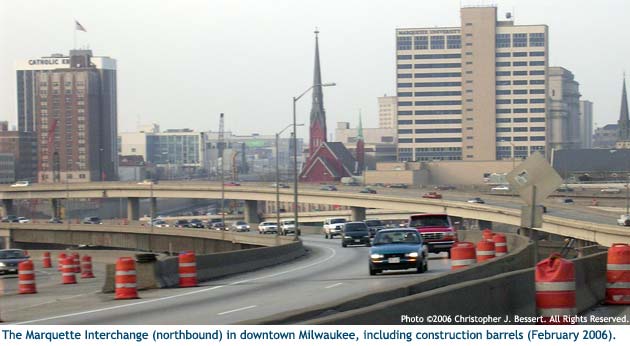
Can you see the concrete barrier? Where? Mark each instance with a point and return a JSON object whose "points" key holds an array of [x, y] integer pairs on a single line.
{"points": [[521, 256]]}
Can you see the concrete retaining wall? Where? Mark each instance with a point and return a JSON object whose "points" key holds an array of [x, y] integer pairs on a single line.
{"points": [[520, 257]]}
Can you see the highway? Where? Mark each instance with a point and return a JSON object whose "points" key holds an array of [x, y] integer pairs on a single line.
{"points": [[328, 273]]}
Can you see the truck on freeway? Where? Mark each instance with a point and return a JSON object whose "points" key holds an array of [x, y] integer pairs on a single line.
{"points": [[437, 231]]}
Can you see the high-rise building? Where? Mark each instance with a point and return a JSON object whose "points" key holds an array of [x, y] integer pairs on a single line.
{"points": [[605, 137], [387, 111], [70, 102], [23, 147], [474, 92], [563, 126], [586, 124]]}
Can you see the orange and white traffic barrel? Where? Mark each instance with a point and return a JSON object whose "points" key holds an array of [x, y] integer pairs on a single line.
{"points": [[555, 289], [76, 262], [463, 254], [46, 263], [500, 244], [618, 275], [26, 277], [187, 269], [487, 234], [60, 258], [67, 271], [126, 287], [485, 250], [86, 267]]}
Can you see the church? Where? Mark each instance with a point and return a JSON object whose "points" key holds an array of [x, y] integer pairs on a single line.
{"points": [[327, 161]]}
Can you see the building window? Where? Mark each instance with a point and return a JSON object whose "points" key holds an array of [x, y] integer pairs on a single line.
{"points": [[537, 101], [503, 82], [437, 103], [537, 120], [421, 42], [537, 138], [405, 85], [537, 91], [504, 102], [437, 56], [520, 63], [520, 139], [520, 129], [404, 122], [520, 73], [404, 103], [404, 113], [520, 110], [438, 112], [503, 55], [454, 41], [537, 110], [438, 121], [404, 43], [537, 73], [520, 82], [536, 53], [404, 75], [503, 41], [503, 64], [504, 129], [437, 42], [437, 140], [504, 92], [503, 73], [443, 65], [405, 131], [405, 94], [504, 111], [404, 57], [434, 84], [405, 140], [404, 66], [437, 93], [537, 82], [537, 129], [437, 131], [536, 63], [520, 92], [437, 75], [520, 101], [503, 120], [537, 39], [520, 40]]}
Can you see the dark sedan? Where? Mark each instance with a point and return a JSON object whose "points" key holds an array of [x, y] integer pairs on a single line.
{"points": [[398, 248], [355, 233], [9, 260], [195, 223]]}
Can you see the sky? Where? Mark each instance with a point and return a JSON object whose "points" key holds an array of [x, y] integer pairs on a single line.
{"points": [[181, 63]]}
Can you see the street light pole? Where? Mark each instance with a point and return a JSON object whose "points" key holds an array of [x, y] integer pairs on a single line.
{"points": [[295, 172], [278, 173]]}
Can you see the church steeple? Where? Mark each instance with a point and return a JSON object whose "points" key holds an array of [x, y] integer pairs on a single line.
{"points": [[624, 118], [360, 151], [318, 114]]}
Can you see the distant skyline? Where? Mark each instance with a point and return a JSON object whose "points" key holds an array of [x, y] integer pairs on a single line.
{"points": [[180, 64]]}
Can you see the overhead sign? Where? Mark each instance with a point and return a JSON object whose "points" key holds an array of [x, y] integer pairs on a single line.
{"points": [[534, 179]]}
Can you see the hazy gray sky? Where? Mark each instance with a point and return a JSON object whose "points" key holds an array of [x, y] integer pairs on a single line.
{"points": [[181, 63]]}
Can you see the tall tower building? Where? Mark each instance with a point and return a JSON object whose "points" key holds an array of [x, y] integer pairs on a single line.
{"points": [[70, 102], [318, 114], [563, 123], [474, 92], [586, 124]]}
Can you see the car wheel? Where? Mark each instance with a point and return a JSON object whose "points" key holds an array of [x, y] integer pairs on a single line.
{"points": [[344, 245], [373, 271], [326, 235], [421, 268], [449, 254], [425, 265]]}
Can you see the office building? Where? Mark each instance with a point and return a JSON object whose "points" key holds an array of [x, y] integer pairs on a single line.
{"points": [[586, 124], [7, 168], [387, 112], [606, 136], [70, 102], [177, 151], [23, 148], [473, 92], [564, 110]]}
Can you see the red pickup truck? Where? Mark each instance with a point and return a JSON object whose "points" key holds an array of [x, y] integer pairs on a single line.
{"points": [[437, 231]]}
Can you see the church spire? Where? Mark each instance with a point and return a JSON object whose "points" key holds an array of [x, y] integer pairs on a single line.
{"points": [[318, 114], [624, 117], [360, 129]]}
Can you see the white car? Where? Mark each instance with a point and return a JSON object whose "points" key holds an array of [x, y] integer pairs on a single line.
{"points": [[333, 226], [477, 200], [21, 183], [160, 224], [240, 226], [22, 219], [624, 220], [287, 226], [267, 227], [501, 188], [610, 190]]}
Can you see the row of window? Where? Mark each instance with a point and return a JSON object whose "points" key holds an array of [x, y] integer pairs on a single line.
{"points": [[520, 110], [436, 65], [520, 101], [518, 54], [521, 129], [521, 82], [521, 92], [429, 84], [430, 75], [520, 138], [430, 93], [521, 120], [410, 131], [429, 56], [519, 63], [459, 121], [430, 140], [520, 73], [520, 40], [424, 42], [430, 103], [432, 112]]}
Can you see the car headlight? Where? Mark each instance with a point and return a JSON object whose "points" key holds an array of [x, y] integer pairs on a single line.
{"points": [[412, 254], [2, 265], [346, 237], [376, 256]]}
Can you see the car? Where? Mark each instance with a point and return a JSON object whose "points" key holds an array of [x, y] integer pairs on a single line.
{"points": [[240, 226], [567, 200], [368, 190], [281, 185], [23, 219], [502, 188], [287, 226], [444, 187], [160, 223], [9, 260], [182, 223], [564, 188], [55, 220], [397, 186], [333, 226], [267, 227], [610, 190], [196, 223], [355, 233], [624, 220], [10, 219], [328, 188], [92, 220], [396, 249], [352, 183], [437, 231], [21, 183], [432, 195], [218, 226], [477, 200], [232, 183], [374, 226], [379, 184], [147, 182]]}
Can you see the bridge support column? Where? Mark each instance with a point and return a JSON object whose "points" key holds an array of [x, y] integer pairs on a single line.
{"points": [[579, 247], [251, 212], [133, 209], [56, 207], [7, 207], [153, 207], [357, 213]]}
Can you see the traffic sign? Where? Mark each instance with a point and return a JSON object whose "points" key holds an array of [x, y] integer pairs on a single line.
{"points": [[534, 172]]}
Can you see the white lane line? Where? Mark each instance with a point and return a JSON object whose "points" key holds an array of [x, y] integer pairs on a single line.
{"points": [[54, 301], [333, 254], [236, 310], [334, 285]]}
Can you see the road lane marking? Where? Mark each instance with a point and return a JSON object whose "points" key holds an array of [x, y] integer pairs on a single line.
{"points": [[334, 285], [236, 310], [333, 254]]}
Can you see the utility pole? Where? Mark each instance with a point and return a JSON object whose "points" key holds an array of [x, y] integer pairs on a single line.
{"points": [[220, 148]]}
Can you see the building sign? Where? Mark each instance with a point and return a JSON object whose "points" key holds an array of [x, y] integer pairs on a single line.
{"points": [[430, 32], [49, 61]]}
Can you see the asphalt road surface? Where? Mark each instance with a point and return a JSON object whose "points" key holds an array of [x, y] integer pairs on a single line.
{"points": [[329, 272]]}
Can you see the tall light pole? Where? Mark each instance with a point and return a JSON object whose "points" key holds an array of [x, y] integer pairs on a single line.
{"points": [[295, 170], [278, 177]]}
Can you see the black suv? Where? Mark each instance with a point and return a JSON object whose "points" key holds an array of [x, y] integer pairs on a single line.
{"points": [[195, 223], [182, 224], [355, 233]]}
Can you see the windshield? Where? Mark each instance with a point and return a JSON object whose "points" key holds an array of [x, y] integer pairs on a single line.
{"points": [[429, 221], [241, 223], [396, 237], [373, 223], [338, 221], [9, 254], [355, 227], [288, 222]]}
